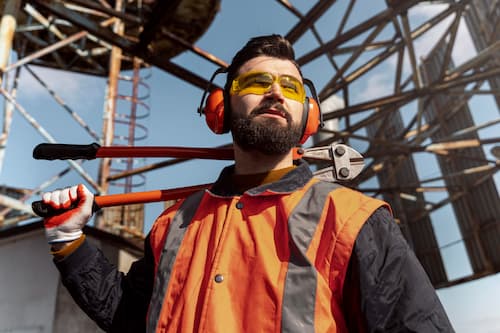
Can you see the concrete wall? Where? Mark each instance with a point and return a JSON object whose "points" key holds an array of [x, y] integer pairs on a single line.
{"points": [[32, 298], [28, 283]]}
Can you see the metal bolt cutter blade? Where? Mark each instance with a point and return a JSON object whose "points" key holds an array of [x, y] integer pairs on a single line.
{"points": [[347, 163]]}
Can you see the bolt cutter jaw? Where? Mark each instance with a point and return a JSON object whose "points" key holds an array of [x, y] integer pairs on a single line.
{"points": [[347, 163]]}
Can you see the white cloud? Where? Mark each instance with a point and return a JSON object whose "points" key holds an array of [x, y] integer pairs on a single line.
{"points": [[377, 85], [463, 48], [83, 94], [56, 80], [68, 85], [484, 324], [426, 11]]}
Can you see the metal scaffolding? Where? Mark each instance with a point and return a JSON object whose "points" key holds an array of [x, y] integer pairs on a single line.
{"points": [[426, 111]]}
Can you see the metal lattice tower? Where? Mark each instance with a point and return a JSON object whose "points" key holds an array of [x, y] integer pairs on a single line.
{"points": [[426, 112]]}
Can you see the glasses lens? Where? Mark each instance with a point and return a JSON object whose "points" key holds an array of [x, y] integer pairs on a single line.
{"points": [[260, 83], [292, 88], [254, 83]]}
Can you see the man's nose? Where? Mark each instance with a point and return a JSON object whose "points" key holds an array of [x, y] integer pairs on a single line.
{"points": [[275, 92]]}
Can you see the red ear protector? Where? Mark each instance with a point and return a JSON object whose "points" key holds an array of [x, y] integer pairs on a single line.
{"points": [[312, 118], [214, 108], [217, 120], [214, 112]]}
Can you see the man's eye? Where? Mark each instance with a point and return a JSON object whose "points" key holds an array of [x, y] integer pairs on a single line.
{"points": [[260, 81], [289, 86]]}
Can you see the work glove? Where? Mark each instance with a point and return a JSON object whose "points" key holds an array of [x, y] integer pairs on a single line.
{"points": [[75, 204]]}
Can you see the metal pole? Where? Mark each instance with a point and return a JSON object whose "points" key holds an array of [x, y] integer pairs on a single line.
{"points": [[7, 31], [110, 110]]}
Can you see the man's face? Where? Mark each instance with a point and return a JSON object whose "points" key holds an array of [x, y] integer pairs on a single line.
{"points": [[269, 122]]}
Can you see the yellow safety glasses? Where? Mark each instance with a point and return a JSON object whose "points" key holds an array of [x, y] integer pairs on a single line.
{"points": [[260, 83]]}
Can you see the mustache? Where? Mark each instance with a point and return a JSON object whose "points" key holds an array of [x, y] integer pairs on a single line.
{"points": [[266, 105]]}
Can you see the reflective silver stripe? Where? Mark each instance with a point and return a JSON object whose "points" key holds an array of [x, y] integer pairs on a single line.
{"points": [[175, 235], [300, 283]]}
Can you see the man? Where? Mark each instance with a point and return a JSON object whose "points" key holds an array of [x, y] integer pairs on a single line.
{"points": [[269, 248]]}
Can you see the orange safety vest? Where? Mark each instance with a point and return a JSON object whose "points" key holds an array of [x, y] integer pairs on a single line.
{"points": [[260, 262]]}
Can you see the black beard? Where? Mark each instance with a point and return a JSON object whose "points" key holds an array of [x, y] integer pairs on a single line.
{"points": [[267, 136]]}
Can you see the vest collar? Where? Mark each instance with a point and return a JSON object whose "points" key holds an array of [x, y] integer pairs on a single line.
{"points": [[290, 182]]}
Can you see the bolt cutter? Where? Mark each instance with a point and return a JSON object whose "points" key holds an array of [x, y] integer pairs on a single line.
{"points": [[346, 164]]}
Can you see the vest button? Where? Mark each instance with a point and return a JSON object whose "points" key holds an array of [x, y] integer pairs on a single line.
{"points": [[239, 205], [219, 278]]}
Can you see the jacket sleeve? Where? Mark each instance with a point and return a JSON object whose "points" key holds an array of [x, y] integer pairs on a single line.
{"points": [[388, 285], [117, 302]]}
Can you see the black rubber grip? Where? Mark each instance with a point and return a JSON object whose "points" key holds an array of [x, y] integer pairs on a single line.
{"points": [[59, 151], [43, 210]]}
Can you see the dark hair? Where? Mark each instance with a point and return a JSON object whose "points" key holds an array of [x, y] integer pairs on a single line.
{"points": [[272, 46]]}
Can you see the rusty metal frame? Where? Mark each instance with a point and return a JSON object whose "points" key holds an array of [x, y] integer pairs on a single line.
{"points": [[464, 81]]}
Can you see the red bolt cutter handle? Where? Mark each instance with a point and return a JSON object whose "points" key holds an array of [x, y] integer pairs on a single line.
{"points": [[44, 210], [58, 151]]}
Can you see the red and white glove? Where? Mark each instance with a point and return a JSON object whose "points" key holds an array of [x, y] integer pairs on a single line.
{"points": [[67, 226]]}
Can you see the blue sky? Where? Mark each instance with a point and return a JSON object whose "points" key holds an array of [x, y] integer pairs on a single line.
{"points": [[174, 122]]}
